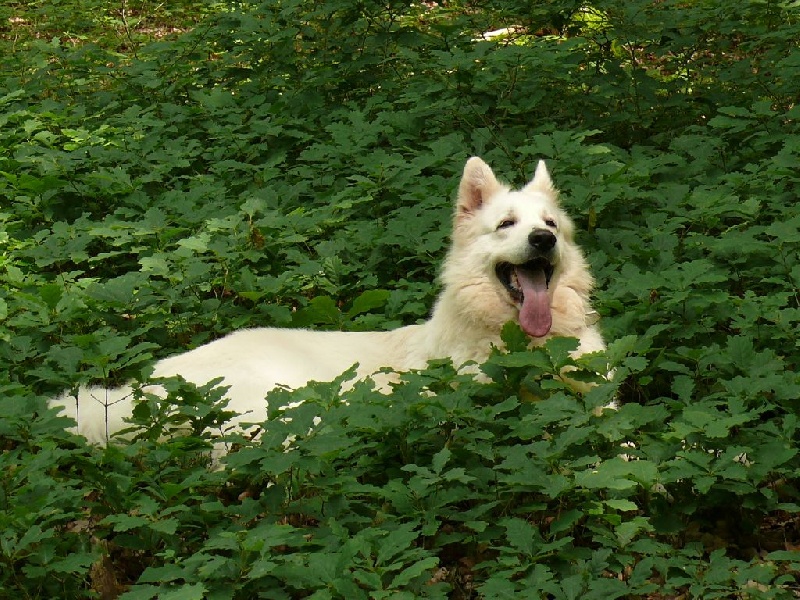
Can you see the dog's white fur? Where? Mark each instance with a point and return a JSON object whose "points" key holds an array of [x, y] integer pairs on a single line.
{"points": [[491, 225]]}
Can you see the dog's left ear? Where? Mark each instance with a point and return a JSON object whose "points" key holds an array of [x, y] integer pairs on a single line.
{"points": [[541, 181], [478, 185]]}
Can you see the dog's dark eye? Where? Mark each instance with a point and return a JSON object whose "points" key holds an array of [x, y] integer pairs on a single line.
{"points": [[507, 223], [550, 223]]}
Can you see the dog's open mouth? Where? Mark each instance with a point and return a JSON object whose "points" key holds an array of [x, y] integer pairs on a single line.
{"points": [[527, 285]]}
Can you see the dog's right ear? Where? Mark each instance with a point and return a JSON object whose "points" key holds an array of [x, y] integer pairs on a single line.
{"points": [[478, 184], [541, 180]]}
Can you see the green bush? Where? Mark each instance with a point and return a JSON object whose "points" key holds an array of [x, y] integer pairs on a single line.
{"points": [[172, 173]]}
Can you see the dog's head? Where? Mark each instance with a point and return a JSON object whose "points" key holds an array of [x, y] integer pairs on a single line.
{"points": [[517, 243]]}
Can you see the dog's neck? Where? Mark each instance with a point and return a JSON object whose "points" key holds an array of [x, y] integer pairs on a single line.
{"points": [[455, 333]]}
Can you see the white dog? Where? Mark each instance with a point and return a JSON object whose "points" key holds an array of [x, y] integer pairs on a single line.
{"points": [[512, 258]]}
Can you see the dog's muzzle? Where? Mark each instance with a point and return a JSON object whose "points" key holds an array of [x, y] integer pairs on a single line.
{"points": [[527, 283]]}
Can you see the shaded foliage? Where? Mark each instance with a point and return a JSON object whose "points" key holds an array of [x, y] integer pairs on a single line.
{"points": [[293, 164]]}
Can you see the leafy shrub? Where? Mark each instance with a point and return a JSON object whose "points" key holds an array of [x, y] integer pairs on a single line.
{"points": [[292, 164]]}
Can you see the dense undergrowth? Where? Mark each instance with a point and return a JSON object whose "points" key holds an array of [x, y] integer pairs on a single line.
{"points": [[167, 177]]}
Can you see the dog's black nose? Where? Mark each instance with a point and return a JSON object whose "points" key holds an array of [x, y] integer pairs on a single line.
{"points": [[542, 240]]}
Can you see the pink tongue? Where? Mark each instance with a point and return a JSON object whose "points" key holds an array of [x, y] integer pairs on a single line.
{"points": [[534, 314]]}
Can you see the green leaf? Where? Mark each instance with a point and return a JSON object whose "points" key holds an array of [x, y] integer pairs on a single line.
{"points": [[197, 243], [628, 530], [368, 301], [320, 310], [126, 522], [396, 542], [193, 591], [621, 504], [560, 348], [499, 588], [33, 535], [141, 592], [162, 574], [168, 526], [78, 563], [440, 459], [522, 536], [421, 567], [261, 568], [566, 521], [618, 474], [51, 294], [157, 265]]}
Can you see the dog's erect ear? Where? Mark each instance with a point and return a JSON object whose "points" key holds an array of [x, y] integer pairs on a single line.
{"points": [[478, 184], [541, 180]]}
